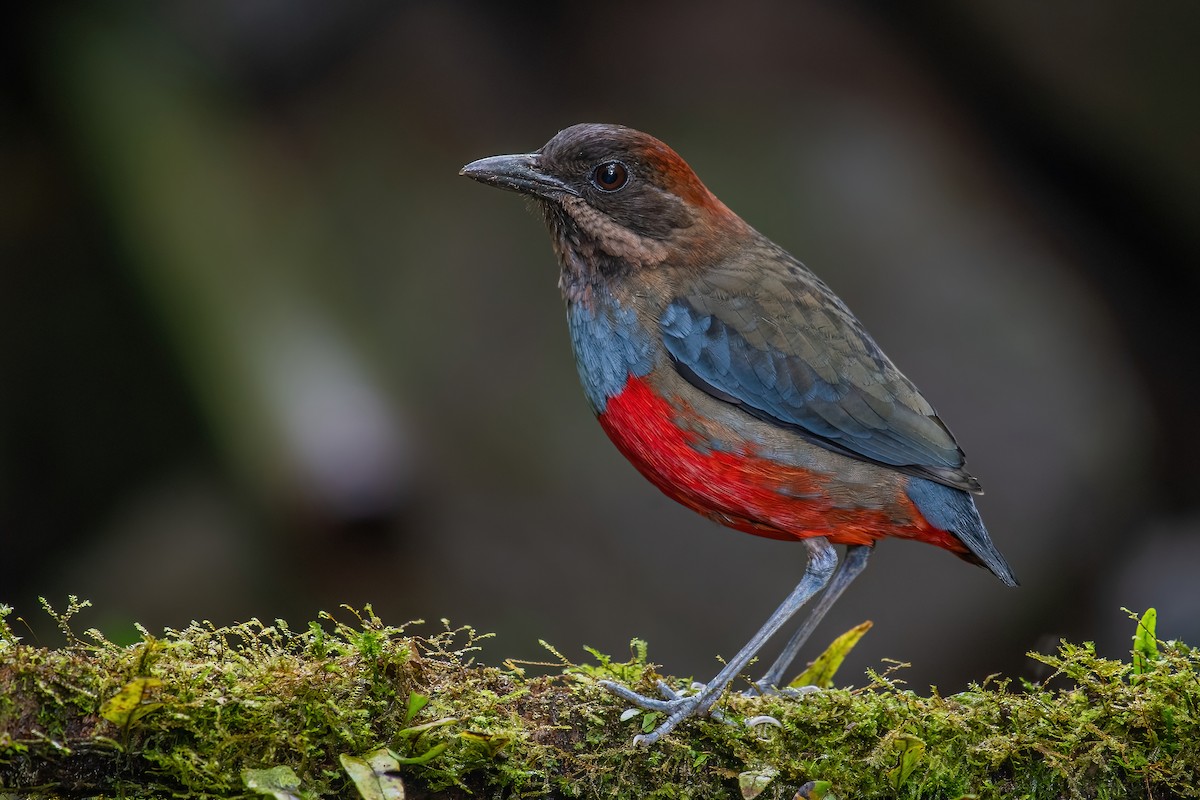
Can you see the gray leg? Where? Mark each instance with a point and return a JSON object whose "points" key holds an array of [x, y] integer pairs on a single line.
{"points": [[854, 563], [821, 562]]}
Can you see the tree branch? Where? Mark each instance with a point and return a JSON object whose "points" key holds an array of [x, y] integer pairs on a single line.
{"points": [[217, 712]]}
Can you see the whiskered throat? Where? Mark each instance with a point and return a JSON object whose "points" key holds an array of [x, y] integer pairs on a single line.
{"points": [[593, 249]]}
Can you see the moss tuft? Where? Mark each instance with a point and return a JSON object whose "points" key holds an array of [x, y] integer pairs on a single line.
{"points": [[208, 711]]}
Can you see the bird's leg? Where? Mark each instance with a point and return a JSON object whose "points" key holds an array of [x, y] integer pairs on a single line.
{"points": [[854, 563], [821, 562]]}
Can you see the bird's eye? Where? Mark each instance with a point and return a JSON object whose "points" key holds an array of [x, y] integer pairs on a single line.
{"points": [[610, 176]]}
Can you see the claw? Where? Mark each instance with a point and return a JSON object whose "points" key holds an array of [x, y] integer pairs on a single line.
{"points": [[677, 706], [763, 719], [758, 689], [639, 700], [667, 692]]}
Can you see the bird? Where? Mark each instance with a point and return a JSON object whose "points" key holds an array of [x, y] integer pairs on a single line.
{"points": [[737, 382]]}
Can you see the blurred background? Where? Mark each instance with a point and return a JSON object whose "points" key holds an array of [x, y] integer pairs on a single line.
{"points": [[264, 352]]}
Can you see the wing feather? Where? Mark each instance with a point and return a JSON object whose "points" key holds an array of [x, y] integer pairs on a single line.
{"points": [[791, 353]]}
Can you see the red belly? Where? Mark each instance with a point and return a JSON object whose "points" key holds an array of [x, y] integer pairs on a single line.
{"points": [[745, 491]]}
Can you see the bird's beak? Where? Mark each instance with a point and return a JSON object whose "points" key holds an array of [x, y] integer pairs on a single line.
{"points": [[517, 173]]}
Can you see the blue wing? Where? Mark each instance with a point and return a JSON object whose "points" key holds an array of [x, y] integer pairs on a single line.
{"points": [[796, 356]]}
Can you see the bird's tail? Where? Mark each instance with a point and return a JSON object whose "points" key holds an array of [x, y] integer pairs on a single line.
{"points": [[954, 510]]}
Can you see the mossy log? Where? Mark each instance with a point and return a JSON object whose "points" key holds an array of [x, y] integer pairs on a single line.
{"points": [[361, 708]]}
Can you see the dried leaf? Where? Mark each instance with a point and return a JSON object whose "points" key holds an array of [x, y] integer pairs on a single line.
{"points": [[753, 782], [375, 776]]}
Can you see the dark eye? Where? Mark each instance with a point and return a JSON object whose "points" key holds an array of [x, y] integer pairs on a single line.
{"points": [[610, 176]]}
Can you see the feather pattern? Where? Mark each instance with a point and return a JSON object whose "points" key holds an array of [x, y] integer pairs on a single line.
{"points": [[791, 353]]}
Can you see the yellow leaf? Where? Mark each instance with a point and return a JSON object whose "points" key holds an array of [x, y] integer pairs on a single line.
{"points": [[911, 749], [821, 671], [127, 706]]}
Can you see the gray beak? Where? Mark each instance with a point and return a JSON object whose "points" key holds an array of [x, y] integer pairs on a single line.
{"points": [[517, 173]]}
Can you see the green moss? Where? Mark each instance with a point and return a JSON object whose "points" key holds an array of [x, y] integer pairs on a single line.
{"points": [[207, 710]]}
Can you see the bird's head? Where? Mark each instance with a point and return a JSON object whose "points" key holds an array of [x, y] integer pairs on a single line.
{"points": [[616, 200]]}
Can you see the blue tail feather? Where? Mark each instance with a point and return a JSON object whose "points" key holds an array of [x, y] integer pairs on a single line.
{"points": [[954, 510]]}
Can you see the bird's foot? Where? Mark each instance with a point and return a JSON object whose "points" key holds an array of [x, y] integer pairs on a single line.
{"points": [[760, 689], [678, 706]]}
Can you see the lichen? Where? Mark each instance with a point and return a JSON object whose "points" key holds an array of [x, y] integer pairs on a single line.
{"points": [[208, 711]]}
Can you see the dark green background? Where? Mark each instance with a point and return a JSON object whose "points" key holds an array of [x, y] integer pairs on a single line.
{"points": [[264, 352]]}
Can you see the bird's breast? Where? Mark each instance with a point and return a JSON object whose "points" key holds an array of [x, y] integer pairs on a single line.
{"points": [[610, 345]]}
